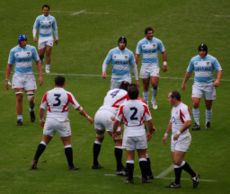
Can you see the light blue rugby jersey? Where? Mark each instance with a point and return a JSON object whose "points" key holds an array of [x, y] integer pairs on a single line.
{"points": [[22, 58], [203, 68], [149, 50], [47, 26], [121, 61]]}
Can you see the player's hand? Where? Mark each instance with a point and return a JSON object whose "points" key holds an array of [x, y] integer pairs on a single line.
{"points": [[90, 119], [183, 86], [165, 139], [40, 80], [216, 83], [176, 136], [35, 39], [7, 84], [103, 75], [112, 118], [114, 135], [42, 123], [149, 136], [137, 83], [56, 41], [165, 68]]}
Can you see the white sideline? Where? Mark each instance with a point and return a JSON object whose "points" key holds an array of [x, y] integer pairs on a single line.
{"points": [[165, 172], [78, 12], [83, 11]]}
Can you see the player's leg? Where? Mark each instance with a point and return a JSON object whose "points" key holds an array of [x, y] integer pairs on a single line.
{"points": [[154, 83], [145, 82], [130, 166], [196, 113], [40, 149], [19, 105], [30, 98], [48, 58], [41, 51], [97, 148], [149, 168], [143, 165]]}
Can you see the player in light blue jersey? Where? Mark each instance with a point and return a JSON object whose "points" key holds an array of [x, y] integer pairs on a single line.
{"points": [[148, 48], [23, 80], [121, 59], [48, 34], [203, 65]]}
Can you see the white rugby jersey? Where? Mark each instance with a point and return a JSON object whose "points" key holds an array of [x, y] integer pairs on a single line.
{"points": [[113, 99], [179, 115], [57, 101], [134, 113]]}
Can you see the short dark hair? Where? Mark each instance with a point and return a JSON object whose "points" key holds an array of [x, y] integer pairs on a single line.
{"points": [[59, 80], [147, 29], [124, 85], [176, 95], [133, 91], [47, 6]]}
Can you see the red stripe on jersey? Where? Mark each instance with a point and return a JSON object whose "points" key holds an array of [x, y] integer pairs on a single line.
{"points": [[121, 113], [115, 104], [146, 111], [181, 116], [69, 100], [44, 100]]}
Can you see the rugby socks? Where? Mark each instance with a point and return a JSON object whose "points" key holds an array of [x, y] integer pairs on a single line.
{"points": [[20, 117], [208, 115], [149, 169], [188, 169], [31, 108], [130, 169], [146, 96], [196, 115], [177, 172], [118, 155], [154, 92], [69, 155], [143, 167], [40, 149], [96, 151]]}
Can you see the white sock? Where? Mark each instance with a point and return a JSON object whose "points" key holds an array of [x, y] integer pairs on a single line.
{"points": [[154, 92], [146, 96], [47, 65], [196, 115], [19, 117], [208, 115]]}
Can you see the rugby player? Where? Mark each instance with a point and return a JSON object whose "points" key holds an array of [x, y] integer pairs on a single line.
{"points": [[122, 59], [179, 124], [203, 65], [134, 113], [103, 121], [23, 80], [48, 34], [57, 101], [148, 48]]}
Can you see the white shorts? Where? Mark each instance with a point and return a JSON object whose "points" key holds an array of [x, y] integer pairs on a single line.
{"points": [[206, 91], [43, 43], [135, 143], [182, 144], [149, 71], [24, 81], [116, 84], [103, 120], [52, 126]]}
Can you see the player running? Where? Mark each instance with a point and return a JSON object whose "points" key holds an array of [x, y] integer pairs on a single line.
{"points": [[23, 80], [134, 113], [203, 65], [122, 59], [148, 49], [103, 120], [57, 101], [179, 124], [48, 34]]}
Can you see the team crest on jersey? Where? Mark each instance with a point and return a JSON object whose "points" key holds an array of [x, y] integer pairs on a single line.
{"points": [[28, 53], [154, 46], [208, 63], [126, 57], [196, 63]]}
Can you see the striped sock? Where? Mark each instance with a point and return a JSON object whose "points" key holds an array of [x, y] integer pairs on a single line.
{"points": [[208, 115], [196, 115]]}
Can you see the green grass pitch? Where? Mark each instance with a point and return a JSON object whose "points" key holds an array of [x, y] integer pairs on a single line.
{"points": [[88, 29]]}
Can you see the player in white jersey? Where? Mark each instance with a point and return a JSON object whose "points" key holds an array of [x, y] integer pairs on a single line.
{"points": [[148, 49], [57, 101], [203, 65], [134, 113], [103, 121], [179, 124], [23, 80], [48, 35], [122, 59]]}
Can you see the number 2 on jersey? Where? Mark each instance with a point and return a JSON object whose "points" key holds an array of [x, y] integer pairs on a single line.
{"points": [[133, 116], [57, 98]]}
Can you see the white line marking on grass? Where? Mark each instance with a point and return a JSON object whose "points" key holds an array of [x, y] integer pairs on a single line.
{"points": [[78, 12], [165, 172], [222, 16]]}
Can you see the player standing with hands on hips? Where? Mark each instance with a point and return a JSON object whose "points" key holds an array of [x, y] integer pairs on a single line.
{"points": [[203, 65], [148, 49], [48, 34], [22, 57], [179, 124]]}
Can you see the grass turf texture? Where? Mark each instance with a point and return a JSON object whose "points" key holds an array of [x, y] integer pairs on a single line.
{"points": [[84, 42]]}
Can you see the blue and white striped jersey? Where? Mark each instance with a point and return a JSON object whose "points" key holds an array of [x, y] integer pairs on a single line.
{"points": [[149, 50], [203, 68], [22, 58], [121, 61], [47, 27]]}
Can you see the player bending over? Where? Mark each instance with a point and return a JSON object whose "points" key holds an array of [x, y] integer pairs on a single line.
{"points": [[104, 119], [56, 101], [23, 80], [179, 124], [134, 113], [204, 85], [48, 34]]}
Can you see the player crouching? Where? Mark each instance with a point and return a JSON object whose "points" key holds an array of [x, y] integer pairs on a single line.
{"points": [[56, 101], [134, 113]]}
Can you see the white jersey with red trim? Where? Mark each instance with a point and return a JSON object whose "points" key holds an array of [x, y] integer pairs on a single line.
{"points": [[57, 101], [113, 99], [134, 113], [179, 115]]}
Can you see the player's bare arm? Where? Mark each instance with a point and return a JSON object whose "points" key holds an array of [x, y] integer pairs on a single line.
{"points": [[186, 78], [137, 58], [165, 64], [85, 114], [115, 127], [7, 80], [185, 126], [42, 117], [151, 129], [218, 78], [40, 73], [168, 130]]}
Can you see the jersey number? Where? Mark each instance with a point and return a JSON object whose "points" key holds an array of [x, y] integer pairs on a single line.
{"points": [[57, 98], [113, 94], [133, 116]]}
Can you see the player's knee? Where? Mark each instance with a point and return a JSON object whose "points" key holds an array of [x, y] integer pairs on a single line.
{"points": [[177, 161], [100, 136], [30, 96], [195, 104]]}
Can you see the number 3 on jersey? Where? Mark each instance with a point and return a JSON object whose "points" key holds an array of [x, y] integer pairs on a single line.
{"points": [[57, 99]]}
